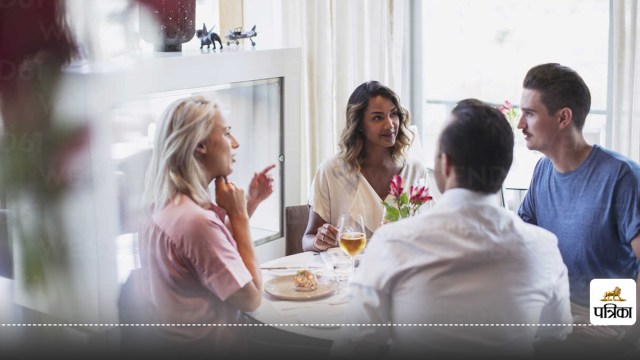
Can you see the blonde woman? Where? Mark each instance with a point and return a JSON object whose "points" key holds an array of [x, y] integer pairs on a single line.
{"points": [[372, 150], [199, 262]]}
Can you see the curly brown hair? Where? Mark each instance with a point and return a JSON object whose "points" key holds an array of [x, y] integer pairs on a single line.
{"points": [[352, 140]]}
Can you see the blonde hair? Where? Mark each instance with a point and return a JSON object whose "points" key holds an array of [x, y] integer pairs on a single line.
{"points": [[352, 140], [174, 168]]}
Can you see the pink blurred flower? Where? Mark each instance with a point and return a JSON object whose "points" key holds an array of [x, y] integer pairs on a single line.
{"points": [[511, 113], [395, 187], [419, 194]]}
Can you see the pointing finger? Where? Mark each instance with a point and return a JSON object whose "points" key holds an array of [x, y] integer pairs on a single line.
{"points": [[268, 168]]}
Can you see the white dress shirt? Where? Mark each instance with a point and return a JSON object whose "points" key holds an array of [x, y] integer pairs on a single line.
{"points": [[464, 262], [337, 190]]}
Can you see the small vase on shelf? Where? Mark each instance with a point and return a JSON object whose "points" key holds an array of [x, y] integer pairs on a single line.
{"points": [[167, 23]]}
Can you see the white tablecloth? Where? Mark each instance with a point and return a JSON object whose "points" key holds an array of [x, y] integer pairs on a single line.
{"points": [[320, 318]]}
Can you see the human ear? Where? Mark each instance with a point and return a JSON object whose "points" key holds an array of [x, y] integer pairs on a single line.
{"points": [[201, 149], [565, 117]]}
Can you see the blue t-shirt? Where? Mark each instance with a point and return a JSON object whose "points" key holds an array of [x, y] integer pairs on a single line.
{"points": [[594, 211]]}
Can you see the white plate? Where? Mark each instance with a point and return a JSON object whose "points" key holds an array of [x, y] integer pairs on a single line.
{"points": [[282, 287]]}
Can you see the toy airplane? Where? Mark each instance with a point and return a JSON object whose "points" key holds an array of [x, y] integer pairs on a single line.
{"points": [[237, 34]]}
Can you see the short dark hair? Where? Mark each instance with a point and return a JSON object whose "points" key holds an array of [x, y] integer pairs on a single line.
{"points": [[560, 86], [479, 143], [352, 140]]}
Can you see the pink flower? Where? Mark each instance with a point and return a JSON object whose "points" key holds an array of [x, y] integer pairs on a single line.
{"points": [[511, 113], [404, 204], [395, 187], [506, 107], [419, 194]]}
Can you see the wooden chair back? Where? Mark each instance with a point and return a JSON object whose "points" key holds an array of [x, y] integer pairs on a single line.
{"points": [[295, 223]]}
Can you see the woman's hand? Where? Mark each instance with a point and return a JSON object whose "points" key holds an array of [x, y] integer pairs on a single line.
{"points": [[326, 237], [260, 187], [230, 197]]}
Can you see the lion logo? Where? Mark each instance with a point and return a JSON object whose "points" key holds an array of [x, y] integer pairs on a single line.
{"points": [[612, 295]]}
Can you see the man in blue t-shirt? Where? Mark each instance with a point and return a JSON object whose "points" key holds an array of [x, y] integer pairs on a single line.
{"points": [[588, 196]]}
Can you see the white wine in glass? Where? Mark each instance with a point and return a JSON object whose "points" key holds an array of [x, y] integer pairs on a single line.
{"points": [[352, 236]]}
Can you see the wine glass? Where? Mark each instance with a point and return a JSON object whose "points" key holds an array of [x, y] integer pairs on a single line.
{"points": [[384, 216], [353, 237]]}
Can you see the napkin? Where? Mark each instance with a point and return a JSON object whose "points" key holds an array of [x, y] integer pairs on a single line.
{"points": [[301, 260]]}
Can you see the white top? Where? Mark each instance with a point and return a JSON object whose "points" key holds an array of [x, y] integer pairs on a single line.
{"points": [[337, 190], [464, 261]]}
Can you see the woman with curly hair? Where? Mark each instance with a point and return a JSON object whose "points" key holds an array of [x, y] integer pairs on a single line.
{"points": [[372, 150]]}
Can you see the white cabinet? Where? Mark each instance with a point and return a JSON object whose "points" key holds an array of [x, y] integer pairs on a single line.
{"points": [[260, 90]]}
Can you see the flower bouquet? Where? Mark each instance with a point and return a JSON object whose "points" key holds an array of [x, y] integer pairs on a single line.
{"points": [[405, 204]]}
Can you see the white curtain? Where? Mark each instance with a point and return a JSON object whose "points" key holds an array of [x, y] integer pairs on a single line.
{"points": [[625, 103], [344, 43]]}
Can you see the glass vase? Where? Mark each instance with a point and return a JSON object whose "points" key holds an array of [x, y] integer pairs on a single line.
{"points": [[167, 23]]}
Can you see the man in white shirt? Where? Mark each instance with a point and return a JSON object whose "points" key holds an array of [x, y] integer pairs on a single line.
{"points": [[466, 277]]}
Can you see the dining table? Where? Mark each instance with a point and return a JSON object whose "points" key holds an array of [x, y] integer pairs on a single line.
{"points": [[316, 314]]}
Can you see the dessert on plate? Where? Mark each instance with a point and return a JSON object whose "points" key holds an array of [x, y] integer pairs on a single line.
{"points": [[305, 280]]}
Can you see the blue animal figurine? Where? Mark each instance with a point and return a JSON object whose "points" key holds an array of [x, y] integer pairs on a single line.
{"points": [[208, 38]]}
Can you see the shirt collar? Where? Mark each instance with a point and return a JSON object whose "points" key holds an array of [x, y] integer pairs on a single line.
{"points": [[458, 196]]}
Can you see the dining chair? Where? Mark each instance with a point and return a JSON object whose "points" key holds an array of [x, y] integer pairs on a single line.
{"points": [[132, 305], [134, 309], [296, 218]]}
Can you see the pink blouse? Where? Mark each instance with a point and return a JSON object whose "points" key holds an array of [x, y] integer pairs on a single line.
{"points": [[191, 265]]}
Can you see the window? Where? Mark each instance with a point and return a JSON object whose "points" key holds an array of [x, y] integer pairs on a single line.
{"points": [[255, 113], [251, 107], [483, 49]]}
